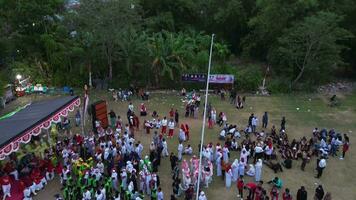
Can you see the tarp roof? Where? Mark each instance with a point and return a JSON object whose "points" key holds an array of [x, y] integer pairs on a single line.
{"points": [[32, 119]]}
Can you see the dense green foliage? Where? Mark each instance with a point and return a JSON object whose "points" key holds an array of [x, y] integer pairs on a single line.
{"points": [[152, 42]]}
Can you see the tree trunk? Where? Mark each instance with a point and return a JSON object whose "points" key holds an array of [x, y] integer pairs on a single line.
{"points": [[89, 70], [299, 76], [110, 69], [109, 57], [305, 61]]}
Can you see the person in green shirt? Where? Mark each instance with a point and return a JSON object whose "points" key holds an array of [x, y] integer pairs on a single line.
{"points": [[66, 193], [154, 194], [108, 186]]}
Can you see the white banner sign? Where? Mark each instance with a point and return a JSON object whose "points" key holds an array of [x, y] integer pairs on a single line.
{"points": [[221, 78]]}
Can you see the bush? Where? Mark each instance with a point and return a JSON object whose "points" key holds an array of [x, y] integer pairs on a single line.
{"points": [[278, 86], [248, 78]]}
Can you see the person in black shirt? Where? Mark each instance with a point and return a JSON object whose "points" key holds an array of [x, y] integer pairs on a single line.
{"points": [[283, 123], [287, 163], [319, 193], [174, 159], [302, 194], [176, 117], [250, 120], [265, 120]]}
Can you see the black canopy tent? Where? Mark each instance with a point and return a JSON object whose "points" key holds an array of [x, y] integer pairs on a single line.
{"points": [[29, 121]]}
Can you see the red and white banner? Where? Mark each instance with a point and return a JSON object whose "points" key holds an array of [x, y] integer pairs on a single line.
{"points": [[25, 138]]}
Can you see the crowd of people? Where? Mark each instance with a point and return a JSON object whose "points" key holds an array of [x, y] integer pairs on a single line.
{"points": [[109, 163], [277, 151]]}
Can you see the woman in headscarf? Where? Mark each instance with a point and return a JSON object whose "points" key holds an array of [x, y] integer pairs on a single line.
{"points": [[258, 170]]}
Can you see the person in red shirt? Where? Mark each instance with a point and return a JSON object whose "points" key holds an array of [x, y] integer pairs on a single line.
{"points": [[136, 122], [171, 113], [259, 191], [6, 186], [186, 131], [345, 146], [286, 195], [251, 189], [240, 187], [143, 110], [274, 193]]}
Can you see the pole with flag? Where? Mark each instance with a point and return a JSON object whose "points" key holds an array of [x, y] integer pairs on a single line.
{"points": [[204, 118]]}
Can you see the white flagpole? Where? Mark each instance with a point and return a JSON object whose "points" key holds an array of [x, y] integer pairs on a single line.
{"points": [[204, 117]]}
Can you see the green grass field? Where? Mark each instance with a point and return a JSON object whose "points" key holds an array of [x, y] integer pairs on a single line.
{"points": [[338, 178]]}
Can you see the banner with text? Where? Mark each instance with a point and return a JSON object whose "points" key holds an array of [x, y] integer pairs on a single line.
{"points": [[221, 78], [194, 77]]}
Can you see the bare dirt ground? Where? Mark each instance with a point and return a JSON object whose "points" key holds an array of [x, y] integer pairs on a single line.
{"points": [[339, 176]]}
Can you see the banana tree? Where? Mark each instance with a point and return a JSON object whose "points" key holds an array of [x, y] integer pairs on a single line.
{"points": [[166, 51]]}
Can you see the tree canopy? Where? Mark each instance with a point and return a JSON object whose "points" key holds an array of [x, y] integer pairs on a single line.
{"points": [[152, 42]]}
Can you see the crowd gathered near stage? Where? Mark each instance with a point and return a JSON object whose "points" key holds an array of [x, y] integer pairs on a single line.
{"points": [[110, 163]]}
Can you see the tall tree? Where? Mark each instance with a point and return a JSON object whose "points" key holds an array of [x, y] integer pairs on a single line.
{"points": [[107, 21], [310, 49]]}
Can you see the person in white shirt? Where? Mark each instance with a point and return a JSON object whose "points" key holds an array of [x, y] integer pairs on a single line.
{"points": [[254, 123], [99, 195], [131, 107], [321, 166], [100, 166], [158, 124], [234, 145], [188, 150], [181, 137], [164, 123], [268, 152], [27, 194], [160, 194], [225, 152], [258, 152], [224, 118], [87, 195], [139, 149], [202, 196], [222, 134], [171, 126], [180, 151], [213, 115], [165, 148], [114, 177]]}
